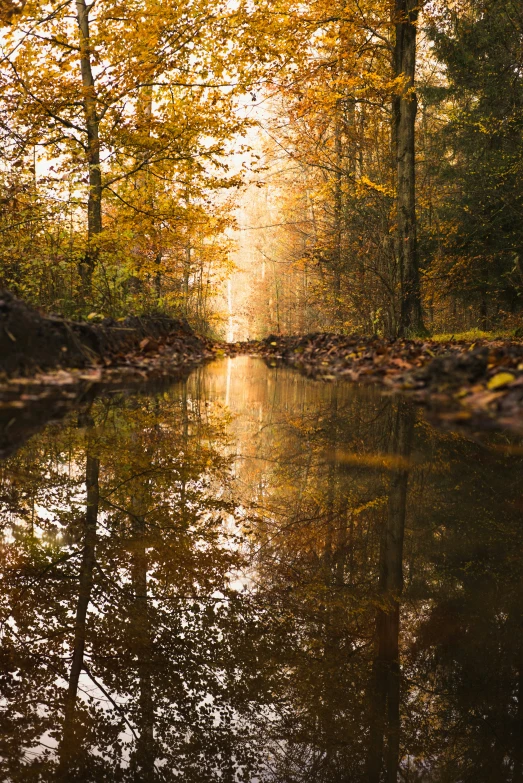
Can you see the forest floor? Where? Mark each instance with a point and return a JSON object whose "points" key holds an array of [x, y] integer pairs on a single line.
{"points": [[476, 383], [48, 365]]}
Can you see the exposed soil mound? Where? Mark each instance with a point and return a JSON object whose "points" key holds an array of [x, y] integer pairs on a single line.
{"points": [[49, 365], [30, 342]]}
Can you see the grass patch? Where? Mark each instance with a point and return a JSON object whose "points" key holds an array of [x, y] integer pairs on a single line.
{"points": [[473, 335]]}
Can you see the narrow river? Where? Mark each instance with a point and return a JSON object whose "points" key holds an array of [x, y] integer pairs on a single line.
{"points": [[253, 576]]}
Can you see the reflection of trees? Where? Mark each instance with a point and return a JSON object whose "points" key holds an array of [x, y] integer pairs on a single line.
{"points": [[85, 586], [464, 662], [384, 683], [381, 639], [117, 615], [318, 542]]}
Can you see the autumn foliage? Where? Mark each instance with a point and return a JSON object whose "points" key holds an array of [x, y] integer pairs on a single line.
{"points": [[390, 141]]}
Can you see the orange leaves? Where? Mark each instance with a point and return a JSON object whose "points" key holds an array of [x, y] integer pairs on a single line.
{"points": [[164, 102], [9, 9]]}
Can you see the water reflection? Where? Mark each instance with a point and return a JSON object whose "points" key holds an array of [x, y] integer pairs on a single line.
{"points": [[257, 577]]}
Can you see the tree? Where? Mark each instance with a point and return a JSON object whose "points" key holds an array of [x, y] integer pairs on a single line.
{"points": [[405, 17], [159, 90], [479, 146], [332, 172], [92, 146]]}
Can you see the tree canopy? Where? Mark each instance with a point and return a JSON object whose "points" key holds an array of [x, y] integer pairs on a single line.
{"points": [[387, 137]]}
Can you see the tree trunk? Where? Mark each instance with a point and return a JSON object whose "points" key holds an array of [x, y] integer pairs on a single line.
{"points": [[144, 759], [186, 276], [67, 745], [338, 216], [483, 312], [404, 119], [94, 202], [385, 682]]}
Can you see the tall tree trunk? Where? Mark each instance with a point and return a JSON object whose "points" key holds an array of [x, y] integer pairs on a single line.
{"points": [[145, 754], [483, 311], [67, 745], [338, 215], [404, 119], [385, 683], [186, 276], [94, 203]]}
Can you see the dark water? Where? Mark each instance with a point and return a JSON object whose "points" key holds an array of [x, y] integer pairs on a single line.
{"points": [[253, 577]]}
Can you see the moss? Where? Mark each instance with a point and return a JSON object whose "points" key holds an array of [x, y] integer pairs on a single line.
{"points": [[473, 335]]}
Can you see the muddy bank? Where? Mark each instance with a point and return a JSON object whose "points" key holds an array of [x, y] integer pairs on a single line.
{"points": [[473, 383], [31, 343], [49, 366]]}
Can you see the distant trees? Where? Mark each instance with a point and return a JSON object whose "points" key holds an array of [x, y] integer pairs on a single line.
{"points": [[342, 136], [398, 144], [331, 159]]}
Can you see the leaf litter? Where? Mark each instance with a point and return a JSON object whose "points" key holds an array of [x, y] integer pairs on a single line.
{"points": [[478, 383]]}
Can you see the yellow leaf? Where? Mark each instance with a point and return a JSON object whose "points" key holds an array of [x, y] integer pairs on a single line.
{"points": [[500, 379]]}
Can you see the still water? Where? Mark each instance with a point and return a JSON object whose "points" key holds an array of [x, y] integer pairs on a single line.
{"points": [[252, 576]]}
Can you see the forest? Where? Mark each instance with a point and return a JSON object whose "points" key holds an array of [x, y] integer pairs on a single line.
{"points": [[261, 391], [373, 146]]}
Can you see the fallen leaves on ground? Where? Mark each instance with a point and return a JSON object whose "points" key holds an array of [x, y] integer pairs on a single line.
{"points": [[477, 383], [465, 383]]}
